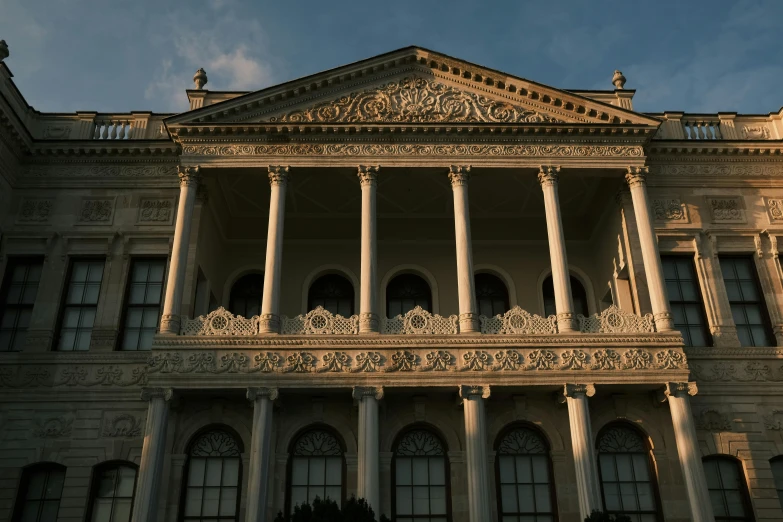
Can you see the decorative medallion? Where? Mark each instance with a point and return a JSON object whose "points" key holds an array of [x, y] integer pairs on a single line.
{"points": [[35, 210], [156, 211], [668, 210], [96, 211], [726, 209]]}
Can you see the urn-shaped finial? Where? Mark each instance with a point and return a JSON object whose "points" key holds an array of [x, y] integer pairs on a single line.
{"points": [[618, 80], [3, 50], [200, 79]]}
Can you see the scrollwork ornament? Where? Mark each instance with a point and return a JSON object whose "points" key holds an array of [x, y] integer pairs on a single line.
{"points": [[637, 359], [300, 362], [606, 360], [542, 360], [508, 360], [335, 362], [437, 361], [403, 361], [477, 361], [636, 176], [123, 425], [278, 174], [188, 176], [474, 391], [548, 175], [573, 360], [671, 360], [267, 362], [459, 175], [233, 362], [368, 174], [368, 362]]}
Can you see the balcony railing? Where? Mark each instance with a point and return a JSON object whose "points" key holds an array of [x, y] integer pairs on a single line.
{"points": [[713, 127], [99, 126]]}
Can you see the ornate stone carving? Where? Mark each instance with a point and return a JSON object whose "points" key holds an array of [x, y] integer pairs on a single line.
{"points": [[122, 425], [220, 322], [300, 362], [719, 170], [773, 421], [459, 174], [368, 362], [615, 320], [102, 171], [636, 176], [548, 175], [156, 211], [53, 428], [541, 360], [508, 360], [35, 210], [474, 391], [360, 392], [415, 100], [680, 389], [335, 362], [668, 210], [606, 360], [477, 361], [637, 359], [775, 209], [368, 174], [420, 322], [403, 361], [726, 210], [255, 393], [98, 211], [319, 322], [671, 360], [575, 390], [518, 321], [438, 361], [267, 362], [755, 132], [573, 360], [189, 176], [711, 419], [278, 174]]}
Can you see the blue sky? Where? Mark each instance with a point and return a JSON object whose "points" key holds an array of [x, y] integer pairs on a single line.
{"points": [[113, 55]]}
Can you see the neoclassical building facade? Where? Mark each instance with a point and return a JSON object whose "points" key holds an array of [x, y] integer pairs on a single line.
{"points": [[459, 294]]}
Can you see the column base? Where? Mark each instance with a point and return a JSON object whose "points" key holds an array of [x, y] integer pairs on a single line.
{"points": [[169, 324], [369, 323], [469, 323], [566, 323], [664, 322], [270, 323]]}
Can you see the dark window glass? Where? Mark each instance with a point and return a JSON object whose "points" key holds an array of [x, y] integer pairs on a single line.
{"points": [[38, 498], [728, 490], [747, 303], [578, 294], [246, 295], [777, 473], [142, 303], [316, 468], [682, 286], [332, 292], [81, 304], [113, 488], [405, 292], [213, 478], [491, 295], [420, 474], [626, 481], [524, 477], [17, 297]]}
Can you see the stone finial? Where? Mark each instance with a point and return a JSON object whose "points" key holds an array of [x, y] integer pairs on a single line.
{"points": [[3, 50], [618, 80], [200, 79]]}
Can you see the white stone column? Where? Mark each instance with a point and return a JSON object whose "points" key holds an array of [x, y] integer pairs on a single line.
{"points": [[152, 453], [656, 285], [175, 285], [270, 306], [561, 277], [479, 499], [260, 448], [677, 393], [369, 483], [459, 175], [368, 291], [587, 485]]}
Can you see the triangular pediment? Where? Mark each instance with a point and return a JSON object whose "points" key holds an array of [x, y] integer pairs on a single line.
{"points": [[411, 86]]}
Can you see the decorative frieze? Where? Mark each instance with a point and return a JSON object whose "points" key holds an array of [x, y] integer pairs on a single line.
{"points": [[102, 171], [156, 211], [96, 211], [123, 425], [723, 371], [723, 170], [726, 209], [35, 210], [669, 209]]}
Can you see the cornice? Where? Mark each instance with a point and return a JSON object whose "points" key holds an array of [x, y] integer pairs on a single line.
{"points": [[104, 148], [691, 149]]}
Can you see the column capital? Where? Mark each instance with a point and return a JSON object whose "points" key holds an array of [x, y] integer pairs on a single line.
{"points": [[147, 394], [471, 391], [576, 390], [361, 392], [459, 175], [680, 389], [368, 174], [255, 393], [189, 176], [278, 174], [548, 175], [636, 176]]}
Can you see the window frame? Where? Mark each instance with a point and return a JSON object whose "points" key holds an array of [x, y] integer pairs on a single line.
{"points": [[94, 482], [651, 467], [126, 298], [502, 284], [333, 275], [572, 278], [697, 281], [5, 288], [24, 484], [64, 298], [744, 490], [446, 469], [287, 507], [234, 285], [430, 305], [498, 490], [766, 320]]}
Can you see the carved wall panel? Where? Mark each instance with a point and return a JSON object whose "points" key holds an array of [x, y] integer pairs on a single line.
{"points": [[96, 211], [35, 210], [774, 209], [726, 209], [669, 209], [156, 211]]}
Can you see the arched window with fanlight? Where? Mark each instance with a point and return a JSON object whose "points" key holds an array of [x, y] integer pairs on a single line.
{"points": [[523, 470], [246, 295], [213, 477], [316, 467], [112, 492], [405, 292], [39, 493], [334, 293], [578, 295], [728, 489], [625, 468], [491, 295], [420, 476]]}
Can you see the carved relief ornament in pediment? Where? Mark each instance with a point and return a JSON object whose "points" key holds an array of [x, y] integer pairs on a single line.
{"points": [[414, 100]]}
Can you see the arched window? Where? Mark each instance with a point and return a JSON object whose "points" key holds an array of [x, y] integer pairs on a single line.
{"points": [[333, 292], [246, 295], [420, 476], [112, 492], [213, 472], [491, 295], [38, 498], [405, 292], [627, 483], [728, 489], [578, 294], [316, 468], [524, 476]]}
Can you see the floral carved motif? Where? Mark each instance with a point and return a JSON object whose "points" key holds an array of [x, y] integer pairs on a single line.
{"points": [[320, 321], [35, 210], [476, 361], [637, 359], [542, 360], [96, 211], [712, 420], [156, 211], [403, 361], [731, 372], [335, 362], [300, 362], [220, 322], [122, 425], [368, 362], [615, 320], [508, 360], [726, 209], [53, 428], [773, 421], [518, 321], [668, 210], [573, 360], [755, 132], [606, 360], [775, 209], [415, 100], [671, 360], [418, 322], [438, 361]]}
